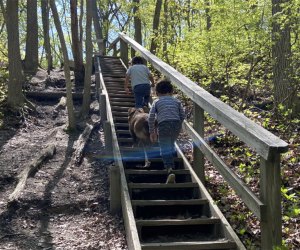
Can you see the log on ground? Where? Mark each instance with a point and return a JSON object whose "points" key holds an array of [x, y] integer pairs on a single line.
{"points": [[29, 170], [81, 143]]}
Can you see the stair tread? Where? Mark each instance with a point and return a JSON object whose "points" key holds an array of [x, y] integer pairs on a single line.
{"points": [[163, 185], [168, 202], [190, 245], [149, 172], [170, 222]]}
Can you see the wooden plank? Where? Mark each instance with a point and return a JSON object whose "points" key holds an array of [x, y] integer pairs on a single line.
{"points": [[151, 172], [191, 245], [270, 192], [177, 222], [162, 185], [265, 143], [169, 202], [198, 156]]}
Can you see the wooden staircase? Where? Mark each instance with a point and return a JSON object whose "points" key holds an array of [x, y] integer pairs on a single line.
{"points": [[175, 216]]}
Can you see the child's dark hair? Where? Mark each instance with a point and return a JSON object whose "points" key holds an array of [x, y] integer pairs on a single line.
{"points": [[164, 87], [137, 60]]}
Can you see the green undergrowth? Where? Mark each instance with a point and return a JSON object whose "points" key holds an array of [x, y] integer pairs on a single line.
{"points": [[245, 163]]}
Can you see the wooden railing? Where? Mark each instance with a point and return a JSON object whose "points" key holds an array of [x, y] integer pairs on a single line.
{"points": [[267, 207], [120, 198]]}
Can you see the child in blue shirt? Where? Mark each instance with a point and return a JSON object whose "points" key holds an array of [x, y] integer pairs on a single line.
{"points": [[140, 77], [169, 113]]}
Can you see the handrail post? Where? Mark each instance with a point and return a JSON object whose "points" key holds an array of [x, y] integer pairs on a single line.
{"points": [[115, 189], [115, 50], [270, 195], [97, 77], [107, 136], [101, 46], [102, 104], [124, 52], [198, 125]]}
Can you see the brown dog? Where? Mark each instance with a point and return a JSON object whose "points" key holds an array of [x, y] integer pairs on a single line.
{"points": [[139, 129]]}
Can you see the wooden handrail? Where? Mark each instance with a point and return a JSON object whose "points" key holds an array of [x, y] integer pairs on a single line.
{"points": [[265, 143], [268, 206]]}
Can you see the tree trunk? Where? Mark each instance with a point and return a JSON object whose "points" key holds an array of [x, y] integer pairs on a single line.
{"points": [[165, 28], [32, 44], [281, 55], [156, 19], [207, 14], [77, 52], [97, 25], [71, 116], [47, 46], [88, 68], [15, 96], [81, 25], [137, 24]]}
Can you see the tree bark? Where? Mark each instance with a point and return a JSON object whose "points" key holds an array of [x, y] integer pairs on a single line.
{"points": [[156, 19], [97, 25], [47, 46], [88, 68], [281, 55], [70, 107], [137, 24], [77, 52], [32, 44], [165, 31], [207, 14], [15, 97]]}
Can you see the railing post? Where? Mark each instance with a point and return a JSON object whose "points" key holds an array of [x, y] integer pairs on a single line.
{"points": [[124, 52], [107, 137], [115, 50], [270, 195], [102, 107], [115, 189], [198, 125], [101, 46], [97, 77]]}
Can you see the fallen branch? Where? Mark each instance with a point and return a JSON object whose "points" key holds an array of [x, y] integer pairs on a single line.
{"points": [[28, 171], [81, 143]]}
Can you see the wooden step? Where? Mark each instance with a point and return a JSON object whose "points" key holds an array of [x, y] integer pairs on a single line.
{"points": [[123, 132], [156, 162], [122, 104], [161, 186], [155, 172], [168, 202], [121, 119], [190, 245], [121, 99], [177, 222], [156, 176], [129, 139], [120, 108]]}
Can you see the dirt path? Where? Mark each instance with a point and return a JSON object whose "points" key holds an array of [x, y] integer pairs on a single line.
{"points": [[63, 206]]}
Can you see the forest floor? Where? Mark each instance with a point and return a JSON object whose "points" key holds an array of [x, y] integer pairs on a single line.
{"points": [[65, 206]]}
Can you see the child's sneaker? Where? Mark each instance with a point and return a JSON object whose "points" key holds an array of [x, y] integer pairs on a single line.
{"points": [[171, 176], [171, 179]]}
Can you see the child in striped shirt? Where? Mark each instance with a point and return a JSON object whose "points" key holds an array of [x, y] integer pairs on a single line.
{"points": [[169, 113]]}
